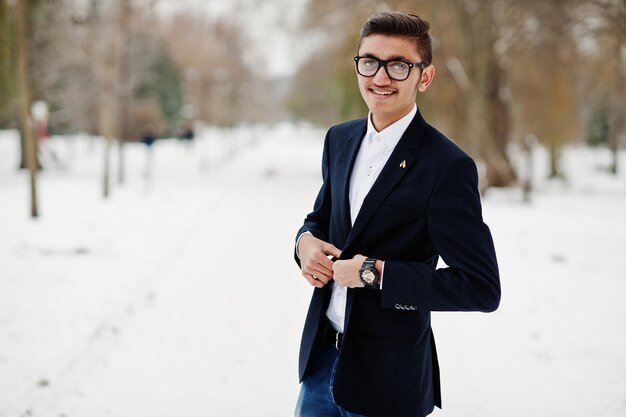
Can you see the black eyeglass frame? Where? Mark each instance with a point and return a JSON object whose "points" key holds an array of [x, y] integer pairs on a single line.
{"points": [[383, 64]]}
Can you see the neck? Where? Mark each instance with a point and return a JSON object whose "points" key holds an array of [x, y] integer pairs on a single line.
{"points": [[382, 122]]}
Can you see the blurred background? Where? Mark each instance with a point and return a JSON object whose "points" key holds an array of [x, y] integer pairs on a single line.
{"points": [[157, 156], [508, 72]]}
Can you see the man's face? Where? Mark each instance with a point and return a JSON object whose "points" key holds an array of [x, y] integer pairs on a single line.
{"points": [[390, 100]]}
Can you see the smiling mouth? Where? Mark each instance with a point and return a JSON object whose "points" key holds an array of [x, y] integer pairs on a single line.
{"points": [[382, 92]]}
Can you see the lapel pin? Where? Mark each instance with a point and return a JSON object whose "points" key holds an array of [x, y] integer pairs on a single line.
{"points": [[403, 164]]}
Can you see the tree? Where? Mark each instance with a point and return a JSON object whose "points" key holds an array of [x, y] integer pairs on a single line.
{"points": [[165, 85], [476, 111], [325, 90], [543, 61], [109, 82], [598, 123], [8, 82], [210, 56], [612, 28], [125, 87], [25, 100], [107, 107], [482, 81]]}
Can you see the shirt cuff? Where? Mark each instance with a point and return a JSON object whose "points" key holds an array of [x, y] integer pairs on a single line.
{"points": [[298, 241]]}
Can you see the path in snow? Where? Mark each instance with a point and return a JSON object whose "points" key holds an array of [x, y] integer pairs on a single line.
{"points": [[182, 298]]}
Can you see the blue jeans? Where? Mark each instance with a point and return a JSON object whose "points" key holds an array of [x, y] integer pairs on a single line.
{"points": [[316, 396]]}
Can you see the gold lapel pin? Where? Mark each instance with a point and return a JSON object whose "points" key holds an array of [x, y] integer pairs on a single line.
{"points": [[403, 164]]}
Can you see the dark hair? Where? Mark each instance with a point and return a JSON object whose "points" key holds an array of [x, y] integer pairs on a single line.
{"points": [[405, 24]]}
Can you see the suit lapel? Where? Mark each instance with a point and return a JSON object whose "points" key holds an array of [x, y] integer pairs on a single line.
{"points": [[400, 162], [353, 144]]}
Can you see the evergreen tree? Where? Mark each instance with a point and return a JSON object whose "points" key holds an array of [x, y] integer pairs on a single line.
{"points": [[164, 83], [598, 123]]}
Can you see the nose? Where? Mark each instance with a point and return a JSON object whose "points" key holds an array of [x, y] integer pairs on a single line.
{"points": [[381, 77]]}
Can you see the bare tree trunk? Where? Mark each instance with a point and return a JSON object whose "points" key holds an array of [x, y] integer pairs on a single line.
{"points": [[500, 172], [616, 116], [107, 111], [527, 180], [108, 99], [487, 113], [558, 99], [125, 84], [25, 102], [555, 159]]}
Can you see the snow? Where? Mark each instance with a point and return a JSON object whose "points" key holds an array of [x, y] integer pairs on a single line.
{"points": [[178, 295]]}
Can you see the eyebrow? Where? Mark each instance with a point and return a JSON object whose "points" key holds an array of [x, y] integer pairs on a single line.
{"points": [[393, 58]]}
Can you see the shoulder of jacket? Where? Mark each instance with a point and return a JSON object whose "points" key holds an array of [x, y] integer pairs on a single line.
{"points": [[445, 147], [347, 127]]}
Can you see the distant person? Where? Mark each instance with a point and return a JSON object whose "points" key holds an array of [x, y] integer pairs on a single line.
{"points": [[148, 138], [45, 148], [148, 135], [396, 196], [187, 133]]}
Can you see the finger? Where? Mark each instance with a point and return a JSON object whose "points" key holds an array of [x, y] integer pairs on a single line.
{"points": [[324, 264], [330, 249], [321, 275], [318, 273], [312, 280], [322, 270], [318, 270]]}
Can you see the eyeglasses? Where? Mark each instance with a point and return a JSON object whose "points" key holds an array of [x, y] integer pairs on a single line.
{"points": [[368, 66]]}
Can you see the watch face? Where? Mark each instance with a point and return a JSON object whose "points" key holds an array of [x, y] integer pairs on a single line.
{"points": [[368, 277]]}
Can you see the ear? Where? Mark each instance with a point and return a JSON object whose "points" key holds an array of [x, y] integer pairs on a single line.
{"points": [[428, 74]]}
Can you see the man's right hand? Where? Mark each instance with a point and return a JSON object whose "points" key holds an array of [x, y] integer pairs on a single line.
{"points": [[316, 267]]}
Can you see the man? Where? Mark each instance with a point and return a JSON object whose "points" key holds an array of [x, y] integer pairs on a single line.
{"points": [[396, 195]]}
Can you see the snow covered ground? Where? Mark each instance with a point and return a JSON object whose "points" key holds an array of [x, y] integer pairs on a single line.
{"points": [[178, 295]]}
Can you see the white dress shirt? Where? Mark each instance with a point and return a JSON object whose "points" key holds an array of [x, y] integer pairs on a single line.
{"points": [[375, 150]]}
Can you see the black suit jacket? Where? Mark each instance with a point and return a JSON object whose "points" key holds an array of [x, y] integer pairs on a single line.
{"points": [[424, 204]]}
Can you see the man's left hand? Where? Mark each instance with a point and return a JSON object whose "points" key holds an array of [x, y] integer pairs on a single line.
{"points": [[346, 272]]}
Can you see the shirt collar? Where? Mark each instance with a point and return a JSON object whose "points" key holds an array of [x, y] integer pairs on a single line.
{"points": [[392, 134]]}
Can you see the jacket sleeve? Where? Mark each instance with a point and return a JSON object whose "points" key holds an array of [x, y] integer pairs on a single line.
{"points": [[471, 281], [317, 221]]}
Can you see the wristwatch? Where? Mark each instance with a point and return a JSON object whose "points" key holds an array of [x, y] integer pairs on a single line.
{"points": [[368, 274]]}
